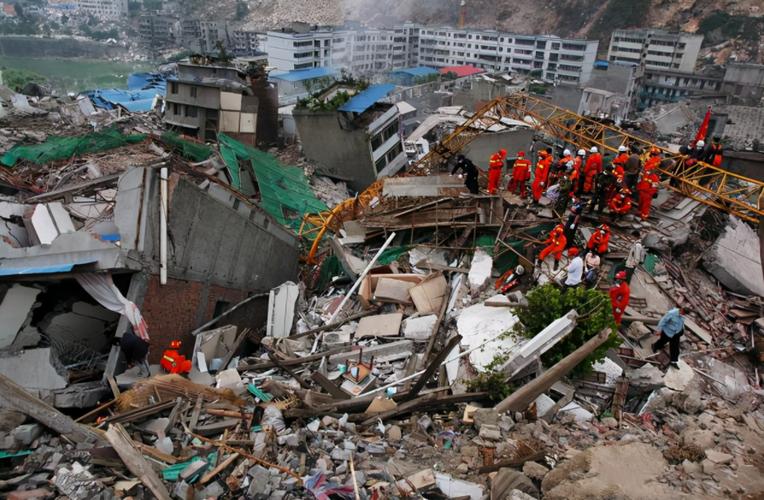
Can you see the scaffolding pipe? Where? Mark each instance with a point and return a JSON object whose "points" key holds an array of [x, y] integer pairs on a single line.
{"points": [[163, 226]]}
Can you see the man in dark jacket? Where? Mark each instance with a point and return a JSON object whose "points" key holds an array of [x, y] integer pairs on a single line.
{"points": [[469, 172]]}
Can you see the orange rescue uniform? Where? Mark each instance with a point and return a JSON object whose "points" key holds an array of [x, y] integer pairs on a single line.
{"points": [[646, 189], [494, 172], [619, 300]]}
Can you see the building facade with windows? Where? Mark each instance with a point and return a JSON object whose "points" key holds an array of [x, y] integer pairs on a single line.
{"points": [[371, 51], [104, 9], [655, 49]]}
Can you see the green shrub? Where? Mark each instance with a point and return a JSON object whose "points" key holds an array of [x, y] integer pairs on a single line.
{"points": [[547, 303]]}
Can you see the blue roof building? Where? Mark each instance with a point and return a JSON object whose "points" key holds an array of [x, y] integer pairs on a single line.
{"points": [[410, 76]]}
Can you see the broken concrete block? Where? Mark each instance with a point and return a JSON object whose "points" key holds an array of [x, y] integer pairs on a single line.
{"points": [[491, 432], [678, 380], [733, 255], [379, 325], [35, 494], [25, 434], [15, 309], [229, 379], [480, 271], [718, 457], [419, 328], [480, 325], [456, 488], [485, 416], [33, 369], [281, 306], [394, 433], [535, 470]]}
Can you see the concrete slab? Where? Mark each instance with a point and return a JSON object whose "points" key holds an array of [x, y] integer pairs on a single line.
{"points": [[480, 270], [379, 325], [94, 311], [281, 304], [14, 311], [419, 328], [480, 325], [382, 353], [733, 256], [32, 369], [71, 327], [678, 380]]}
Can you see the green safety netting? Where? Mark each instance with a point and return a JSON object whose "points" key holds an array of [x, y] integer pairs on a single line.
{"points": [[61, 148], [187, 149], [285, 192]]}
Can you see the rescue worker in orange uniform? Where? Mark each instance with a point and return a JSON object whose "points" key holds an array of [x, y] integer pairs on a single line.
{"points": [[716, 152], [622, 157], [591, 169], [621, 202], [654, 160], [647, 188], [576, 177], [556, 243], [619, 296], [495, 164], [541, 174], [521, 172], [599, 240], [559, 167]]}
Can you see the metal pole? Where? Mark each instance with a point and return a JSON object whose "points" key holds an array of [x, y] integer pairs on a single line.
{"points": [[163, 226], [360, 278]]}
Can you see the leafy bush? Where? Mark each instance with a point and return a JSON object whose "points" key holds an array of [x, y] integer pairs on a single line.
{"points": [[537, 88], [547, 303]]}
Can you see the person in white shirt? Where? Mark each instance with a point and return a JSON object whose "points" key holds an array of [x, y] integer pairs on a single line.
{"points": [[635, 258], [575, 269]]}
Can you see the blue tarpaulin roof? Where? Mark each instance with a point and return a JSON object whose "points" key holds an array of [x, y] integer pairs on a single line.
{"points": [[416, 71], [299, 75], [366, 99], [141, 89], [50, 269]]}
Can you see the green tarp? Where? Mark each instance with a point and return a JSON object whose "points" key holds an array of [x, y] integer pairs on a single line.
{"points": [[187, 149], [284, 190], [61, 148]]}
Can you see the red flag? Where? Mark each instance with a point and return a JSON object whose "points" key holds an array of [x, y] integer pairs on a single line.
{"points": [[703, 130]]}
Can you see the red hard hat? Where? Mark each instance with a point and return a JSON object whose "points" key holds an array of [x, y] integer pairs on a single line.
{"points": [[521, 154], [605, 227], [503, 152], [573, 251], [621, 275]]}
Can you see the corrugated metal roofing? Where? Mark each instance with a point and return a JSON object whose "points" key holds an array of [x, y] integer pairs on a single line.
{"points": [[299, 75], [416, 71], [461, 71], [366, 99]]}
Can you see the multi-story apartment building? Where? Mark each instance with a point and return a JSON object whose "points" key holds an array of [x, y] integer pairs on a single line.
{"points": [[660, 87], [655, 49], [245, 43], [203, 36], [368, 51], [289, 50], [567, 61], [104, 9], [158, 31]]}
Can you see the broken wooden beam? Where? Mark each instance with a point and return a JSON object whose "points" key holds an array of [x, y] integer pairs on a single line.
{"points": [[15, 397], [329, 386], [525, 395], [134, 461], [435, 365]]}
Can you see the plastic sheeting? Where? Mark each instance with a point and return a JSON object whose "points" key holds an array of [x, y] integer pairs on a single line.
{"points": [[102, 288]]}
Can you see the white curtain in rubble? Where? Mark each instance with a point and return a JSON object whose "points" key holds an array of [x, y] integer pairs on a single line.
{"points": [[102, 288]]}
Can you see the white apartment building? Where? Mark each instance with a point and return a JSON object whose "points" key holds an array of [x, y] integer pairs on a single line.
{"points": [[369, 51], [288, 50], [655, 49], [103, 9], [568, 61]]}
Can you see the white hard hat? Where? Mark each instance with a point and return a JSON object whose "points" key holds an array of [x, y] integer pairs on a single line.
{"points": [[594, 149], [701, 144], [566, 152], [581, 152], [569, 164], [622, 149]]}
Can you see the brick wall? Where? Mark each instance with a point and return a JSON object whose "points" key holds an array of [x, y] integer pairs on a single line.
{"points": [[175, 309]]}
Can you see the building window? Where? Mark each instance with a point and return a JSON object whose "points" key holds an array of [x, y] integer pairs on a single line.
{"points": [[173, 87], [191, 111], [192, 91]]}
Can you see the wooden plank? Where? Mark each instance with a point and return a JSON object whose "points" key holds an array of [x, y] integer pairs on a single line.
{"points": [[114, 387], [220, 467], [133, 459], [329, 386], [195, 414], [235, 347], [698, 330], [15, 397], [434, 365]]}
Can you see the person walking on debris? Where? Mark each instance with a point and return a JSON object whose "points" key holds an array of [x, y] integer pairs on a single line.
{"points": [[575, 269], [592, 263], [469, 172], [495, 164], [671, 328], [636, 256], [599, 240], [556, 243], [573, 219], [647, 189], [576, 176], [541, 174], [592, 169], [621, 203], [619, 296], [521, 172]]}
